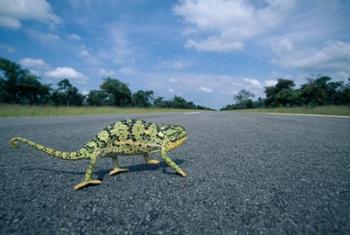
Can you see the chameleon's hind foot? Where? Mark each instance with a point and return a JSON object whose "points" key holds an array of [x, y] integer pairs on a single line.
{"points": [[117, 171], [87, 183], [153, 162], [181, 172]]}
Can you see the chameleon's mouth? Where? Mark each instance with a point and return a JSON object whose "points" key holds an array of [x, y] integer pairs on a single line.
{"points": [[177, 143]]}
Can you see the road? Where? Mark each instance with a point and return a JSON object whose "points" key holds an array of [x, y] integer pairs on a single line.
{"points": [[248, 173]]}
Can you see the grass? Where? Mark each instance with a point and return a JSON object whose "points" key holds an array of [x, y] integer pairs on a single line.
{"points": [[324, 110], [10, 110]]}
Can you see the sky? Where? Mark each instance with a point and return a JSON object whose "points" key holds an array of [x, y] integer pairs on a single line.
{"points": [[203, 50]]}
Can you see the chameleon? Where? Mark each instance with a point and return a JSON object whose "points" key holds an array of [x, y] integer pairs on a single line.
{"points": [[126, 137]]}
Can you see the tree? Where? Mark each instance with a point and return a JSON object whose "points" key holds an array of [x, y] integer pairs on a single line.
{"points": [[315, 91], [66, 94], [280, 94], [142, 98], [178, 102], [12, 73], [259, 103], [21, 86], [118, 93], [243, 95], [31, 91], [159, 102], [97, 98], [4, 95], [334, 91], [243, 99], [346, 93]]}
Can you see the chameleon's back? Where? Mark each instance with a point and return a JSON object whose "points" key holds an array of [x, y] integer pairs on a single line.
{"points": [[128, 137]]}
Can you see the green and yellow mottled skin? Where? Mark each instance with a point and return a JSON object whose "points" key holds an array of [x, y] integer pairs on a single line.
{"points": [[127, 137]]}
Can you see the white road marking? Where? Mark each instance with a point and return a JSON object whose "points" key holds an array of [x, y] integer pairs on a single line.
{"points": [[189, 113], [310, 115]]}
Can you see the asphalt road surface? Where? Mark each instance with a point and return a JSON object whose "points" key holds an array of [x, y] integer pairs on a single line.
{"points": [[247, 173]]}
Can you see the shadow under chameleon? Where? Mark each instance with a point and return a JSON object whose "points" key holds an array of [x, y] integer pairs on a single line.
{"points": [[103, 172]]}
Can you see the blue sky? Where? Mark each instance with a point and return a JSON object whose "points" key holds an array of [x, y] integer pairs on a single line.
{"points": [[205, 51]]}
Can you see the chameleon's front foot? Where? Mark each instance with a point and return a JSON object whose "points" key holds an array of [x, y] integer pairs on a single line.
{"points": [[149, 160], [87, 183], [153, 162], [117, 171]]}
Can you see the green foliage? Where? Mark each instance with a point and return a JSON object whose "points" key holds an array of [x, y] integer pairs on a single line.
{"points": [[321, 91], [177, 102], [316, 92], [142, 98], [118, 93], [31, 91], [281, 94], [66, 94], [243, 95], [4, 95], [346, 94], [20, 86], [342, 110], [159, 102], [97, 98], [243, 99], [12, 72]]}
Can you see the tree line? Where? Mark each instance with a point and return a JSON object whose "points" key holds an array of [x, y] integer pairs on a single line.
{"points": [[316, 92], [20, 86]]}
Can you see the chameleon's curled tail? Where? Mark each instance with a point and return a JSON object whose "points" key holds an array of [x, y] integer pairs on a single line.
{"points": [[53, 152]]}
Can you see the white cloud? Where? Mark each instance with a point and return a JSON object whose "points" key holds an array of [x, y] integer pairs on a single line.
{"points": [[9, 22], [106, 73], [45, 38], [119, 49], [171, 90], [180, 64], [334, 56], [7, 48], [214, 44], [342, 75], [127, 70], [172, 64], [66, 72], [253, 82], [224, 25], [205, 89], [29, 62], [84, 53], [282, 45], [79, 4], [173, 80], [270, 82], [14, 11], [74, 37]]}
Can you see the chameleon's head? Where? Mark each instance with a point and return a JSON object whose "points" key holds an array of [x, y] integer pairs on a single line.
{"points": [[176, 135]]}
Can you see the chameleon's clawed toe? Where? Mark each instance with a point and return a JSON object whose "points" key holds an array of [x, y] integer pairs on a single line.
{"points": [[182, 173], [117, 171], [87, 183], [153, 162]]}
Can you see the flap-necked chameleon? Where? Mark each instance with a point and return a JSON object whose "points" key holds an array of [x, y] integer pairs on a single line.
{"points": [[127, 137]]}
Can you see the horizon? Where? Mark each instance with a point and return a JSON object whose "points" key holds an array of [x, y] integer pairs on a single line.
{"points": [[204, 51]]}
